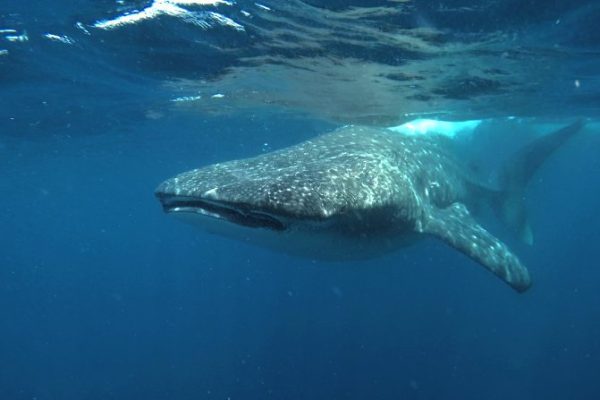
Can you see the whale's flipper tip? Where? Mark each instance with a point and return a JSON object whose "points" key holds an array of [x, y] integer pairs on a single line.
{"points": [[455, 226]]}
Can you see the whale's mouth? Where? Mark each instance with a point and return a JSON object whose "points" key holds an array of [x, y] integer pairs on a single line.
{"points": [[239, 214]]}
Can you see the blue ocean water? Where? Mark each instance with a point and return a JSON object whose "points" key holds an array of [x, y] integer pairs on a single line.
{"points": [[102, 296]]}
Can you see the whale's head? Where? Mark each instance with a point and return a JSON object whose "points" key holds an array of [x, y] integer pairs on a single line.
{"points": [[234, 204], [238, 196], [241, 194], [241, 204]]}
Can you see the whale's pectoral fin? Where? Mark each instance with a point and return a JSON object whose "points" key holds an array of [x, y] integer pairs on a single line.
{"points": [[455, 226]]}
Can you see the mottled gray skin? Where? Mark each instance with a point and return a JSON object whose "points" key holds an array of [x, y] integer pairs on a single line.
{"points": [[354, 170], [356, 192]]}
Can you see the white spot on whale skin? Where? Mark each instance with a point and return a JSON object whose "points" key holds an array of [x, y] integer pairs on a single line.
{"points": [[211, 194]]}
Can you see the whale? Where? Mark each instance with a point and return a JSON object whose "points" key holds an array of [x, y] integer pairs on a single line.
{"points": [[360, 192]]}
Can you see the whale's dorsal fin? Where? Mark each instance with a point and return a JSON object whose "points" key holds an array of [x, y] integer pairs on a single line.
{"points": [[455, 226]]}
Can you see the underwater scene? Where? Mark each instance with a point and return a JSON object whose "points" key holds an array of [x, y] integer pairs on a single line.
{"points": [[299, 199]]}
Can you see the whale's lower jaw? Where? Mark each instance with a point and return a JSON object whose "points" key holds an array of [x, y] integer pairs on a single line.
{"points": [[190, 207]]}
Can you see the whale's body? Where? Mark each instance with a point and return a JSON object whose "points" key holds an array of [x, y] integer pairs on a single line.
{"points": [[359, 192]]}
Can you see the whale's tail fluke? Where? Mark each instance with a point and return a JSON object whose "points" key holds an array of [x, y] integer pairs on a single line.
{"points": [[517, 173]]}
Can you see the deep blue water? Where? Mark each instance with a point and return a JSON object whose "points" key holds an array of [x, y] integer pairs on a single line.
{"points": [[102, 296]]}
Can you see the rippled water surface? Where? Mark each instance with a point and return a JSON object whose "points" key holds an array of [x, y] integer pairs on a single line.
{"points": [[375, 62]]}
